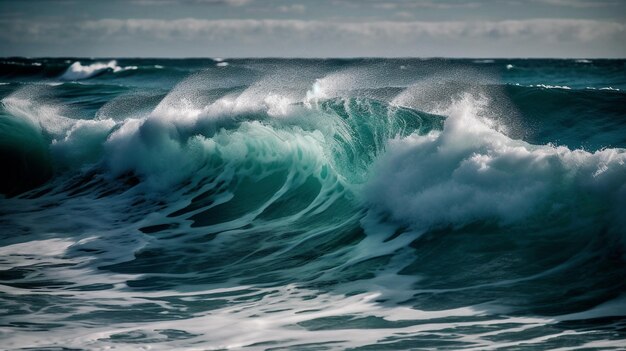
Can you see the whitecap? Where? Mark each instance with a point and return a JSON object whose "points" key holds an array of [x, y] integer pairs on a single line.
{"points": [[547, 86], [78, 71], [470, 172]]}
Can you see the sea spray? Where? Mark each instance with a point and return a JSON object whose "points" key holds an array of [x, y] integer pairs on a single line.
{"points": [[377, 203]]}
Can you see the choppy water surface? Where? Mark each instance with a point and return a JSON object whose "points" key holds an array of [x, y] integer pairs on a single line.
{"points": [[312, 204]]}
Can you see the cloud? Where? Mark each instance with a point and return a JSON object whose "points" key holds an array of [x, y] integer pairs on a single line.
{"points": [[278, 37], [424, 4], [297, 8], [234, 2], [404, 15], [578, 3], [208, 2], [386, 5], [233, 29]]}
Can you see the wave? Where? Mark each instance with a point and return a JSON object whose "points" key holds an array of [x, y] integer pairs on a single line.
{"points": [[353, 146], [77, 71], [313, 210], [470, 172], [474, 172]]}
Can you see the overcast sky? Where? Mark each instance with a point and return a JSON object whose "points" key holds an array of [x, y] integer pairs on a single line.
{"points": [[313, 28]]}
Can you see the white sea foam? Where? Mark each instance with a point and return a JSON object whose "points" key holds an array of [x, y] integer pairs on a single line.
{"points": [[603, 88], [73, 141], [612, 308], [278, 318], [469, 172], [41, 116], [547, 86], [346, 82], [82, 141], [28, 253], [77, 71]]}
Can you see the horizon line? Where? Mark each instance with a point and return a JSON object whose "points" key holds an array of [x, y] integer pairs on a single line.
{"points": [[314, 57]]}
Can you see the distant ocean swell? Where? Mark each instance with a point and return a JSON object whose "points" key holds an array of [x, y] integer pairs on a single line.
{"points": [[366, 204]]}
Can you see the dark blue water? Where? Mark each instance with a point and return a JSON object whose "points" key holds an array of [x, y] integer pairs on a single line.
{"points": [[270, 204]]}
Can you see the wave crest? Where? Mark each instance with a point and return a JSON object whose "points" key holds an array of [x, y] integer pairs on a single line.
{"points": [[77, 71], [470, 172]]}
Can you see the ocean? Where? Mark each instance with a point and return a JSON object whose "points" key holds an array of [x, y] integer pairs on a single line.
{"points": [[312, 204]]}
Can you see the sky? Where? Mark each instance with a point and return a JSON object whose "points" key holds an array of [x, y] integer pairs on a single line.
{"points": [[313, 28]]}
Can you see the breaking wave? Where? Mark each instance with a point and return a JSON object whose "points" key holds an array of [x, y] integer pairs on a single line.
{"points": [[77, 71], [349, 208]]}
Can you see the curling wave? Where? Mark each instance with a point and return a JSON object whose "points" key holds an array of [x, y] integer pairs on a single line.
{"points": [[363, 205]]}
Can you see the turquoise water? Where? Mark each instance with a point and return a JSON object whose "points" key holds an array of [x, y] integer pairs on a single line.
{"points": [[271, 204]]}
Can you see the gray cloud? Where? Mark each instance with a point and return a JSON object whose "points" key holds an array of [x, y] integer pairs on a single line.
{"points": [[578, 3], [297, 8], [200, 29], [209, 2], [425, 4], [306, 38]]}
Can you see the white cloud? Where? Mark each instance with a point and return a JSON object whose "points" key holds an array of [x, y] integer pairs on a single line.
{"points": [[297, 8], [404, 15]]}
